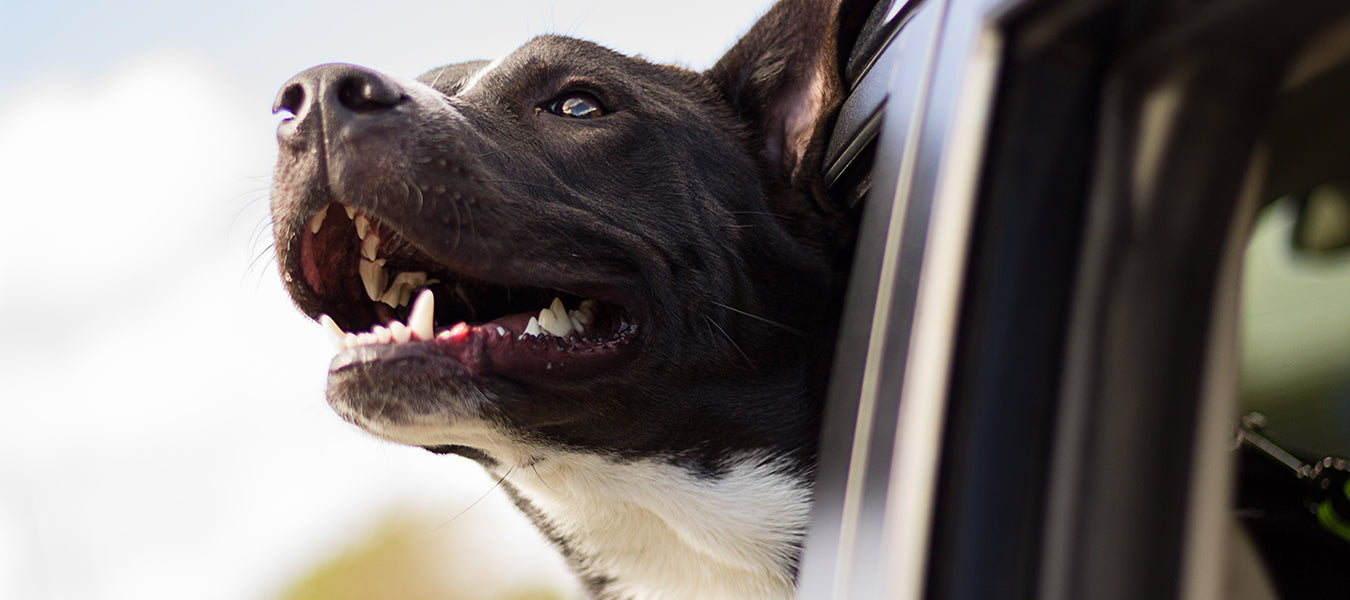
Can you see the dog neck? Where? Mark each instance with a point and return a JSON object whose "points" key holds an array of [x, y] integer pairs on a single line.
{"points": [[650, 530]]}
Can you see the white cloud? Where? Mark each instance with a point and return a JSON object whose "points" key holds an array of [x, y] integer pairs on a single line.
{"points": [[164, 431]]}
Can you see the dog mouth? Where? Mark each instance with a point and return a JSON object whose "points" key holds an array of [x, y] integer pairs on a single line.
{"points": [[382, 299]]}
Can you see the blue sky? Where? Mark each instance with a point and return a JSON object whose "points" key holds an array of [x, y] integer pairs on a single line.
{"points": [[259, 43], [165, 434]]}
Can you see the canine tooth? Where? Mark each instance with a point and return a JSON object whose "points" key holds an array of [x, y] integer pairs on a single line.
{"points": [[335, 333], [382, 334], [362, 226], [373, 276], [402, 334], [532, 328], [350, 210], [422, 318], [316, 221], [549, 321], [390, 296], [369, 244]]}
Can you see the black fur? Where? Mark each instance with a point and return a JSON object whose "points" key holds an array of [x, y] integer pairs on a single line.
{"points": [[695, 203]]}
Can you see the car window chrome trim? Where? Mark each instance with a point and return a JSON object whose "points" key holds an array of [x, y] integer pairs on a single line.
{"points": [[929, 360]]}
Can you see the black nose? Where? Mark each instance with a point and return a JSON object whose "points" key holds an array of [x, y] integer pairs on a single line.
{"points": [[342, 94]]}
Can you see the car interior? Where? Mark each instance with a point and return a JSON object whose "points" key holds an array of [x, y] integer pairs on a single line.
{"points": [[1096, 342]]}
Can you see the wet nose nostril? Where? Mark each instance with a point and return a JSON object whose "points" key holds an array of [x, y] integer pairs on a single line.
{"points": [[291, 100], [333, 99], [366, 92]]}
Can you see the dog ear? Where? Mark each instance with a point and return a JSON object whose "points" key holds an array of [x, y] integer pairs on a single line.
{"points": [[783, 77]]}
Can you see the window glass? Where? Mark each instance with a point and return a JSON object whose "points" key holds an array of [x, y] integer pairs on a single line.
{"points": [[1296, 320]]}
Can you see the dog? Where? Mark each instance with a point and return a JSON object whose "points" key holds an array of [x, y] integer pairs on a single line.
{"points": [[613, 283]]}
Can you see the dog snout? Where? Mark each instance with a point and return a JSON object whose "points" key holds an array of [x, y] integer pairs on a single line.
{"points": [[334, 96]]}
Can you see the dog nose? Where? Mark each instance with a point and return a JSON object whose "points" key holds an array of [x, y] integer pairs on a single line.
{"points": [[343, 94]]}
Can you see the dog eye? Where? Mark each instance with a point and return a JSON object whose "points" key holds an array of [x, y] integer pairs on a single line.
{"points": [[578, 105]]}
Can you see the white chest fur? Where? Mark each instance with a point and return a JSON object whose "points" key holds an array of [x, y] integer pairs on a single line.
{"points": [[661, 532]]}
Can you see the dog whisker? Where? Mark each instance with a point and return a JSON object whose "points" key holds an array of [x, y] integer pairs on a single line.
{"points": [[264, 224], [764, 213], [535, 467], [459, 222], [262, 232], [490, 153], [264, 260], [784, 327], [480, 498], [265, 256], [731, 341], [472, 230], [437, 78], [421, 200]]}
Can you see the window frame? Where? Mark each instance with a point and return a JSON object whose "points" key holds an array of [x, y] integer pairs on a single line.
{"points": [[1089, 399]]}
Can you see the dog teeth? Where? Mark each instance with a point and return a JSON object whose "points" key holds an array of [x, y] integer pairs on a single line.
{"points": [[382, 334], [555, 320], [369, 244], [373, 276], [362, 226], [422, 319], [400, 291], [371, 268], [316, 221], [552, 324], [335, 334], [400, 332]]}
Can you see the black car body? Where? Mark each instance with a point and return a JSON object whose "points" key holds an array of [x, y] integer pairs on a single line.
{"points": [[1037, 386]]}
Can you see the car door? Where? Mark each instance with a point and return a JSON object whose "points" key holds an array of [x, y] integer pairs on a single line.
{"points": [[1037, 385]]}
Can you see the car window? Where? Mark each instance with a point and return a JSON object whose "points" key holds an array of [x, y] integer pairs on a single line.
{"points": [[1108, 330], [1296, 320]]}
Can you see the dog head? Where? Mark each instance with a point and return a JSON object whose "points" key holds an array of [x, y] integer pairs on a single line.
{"points": [[571, 248]]}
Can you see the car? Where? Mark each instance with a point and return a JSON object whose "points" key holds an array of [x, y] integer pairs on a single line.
{"points": [[1048, 341]]}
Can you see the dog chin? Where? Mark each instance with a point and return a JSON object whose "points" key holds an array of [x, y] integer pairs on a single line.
{"points": [[451, 417]]}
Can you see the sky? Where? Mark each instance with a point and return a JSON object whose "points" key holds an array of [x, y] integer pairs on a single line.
{"points": [[164, 433]]}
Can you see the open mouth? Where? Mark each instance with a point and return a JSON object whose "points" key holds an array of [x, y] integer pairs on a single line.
{"points": [[381, 298]]}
